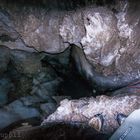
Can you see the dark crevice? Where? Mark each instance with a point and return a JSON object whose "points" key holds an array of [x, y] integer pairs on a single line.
{"points": [[5, 38], [73, 84]]}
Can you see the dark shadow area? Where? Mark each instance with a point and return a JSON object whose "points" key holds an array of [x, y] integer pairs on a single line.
{"points": [[75, 86], [55, 131], [61, 4]]}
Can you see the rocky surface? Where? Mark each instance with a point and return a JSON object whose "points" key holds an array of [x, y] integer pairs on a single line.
{"points": [[4, 58], [26, 85], [25, 62], [6, 86], [17, 107], [35, 59], [110, 38], [7, 117], [48, 108], [99, 113], [108, 34], [24, 108]]}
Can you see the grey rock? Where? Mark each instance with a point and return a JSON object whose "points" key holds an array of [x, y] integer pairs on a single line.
{"points": [[36, 28], [4, 58], [7, 117], [5, 87], [46, 83], [23, 85], [46, 75], [7, 30], [48, 108], [87, 110], [30, 100], [45, 89], [101, 36], [23, 111], [108, 38], [129, 28], [72, 27], [26, 62], [8, 34], [58, 99], [16, 45]]}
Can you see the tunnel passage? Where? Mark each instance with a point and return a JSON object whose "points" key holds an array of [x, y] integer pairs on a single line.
{"points": [[52, 50]]}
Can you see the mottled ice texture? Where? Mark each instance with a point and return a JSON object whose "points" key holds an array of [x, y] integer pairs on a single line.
{"points": [[85, 109]]}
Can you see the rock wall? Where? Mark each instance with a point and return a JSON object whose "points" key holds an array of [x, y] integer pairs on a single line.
{"points": [[31, 33], [109, 34], [100, 112]]}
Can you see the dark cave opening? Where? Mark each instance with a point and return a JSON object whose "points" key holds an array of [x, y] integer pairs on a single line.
{"points": [[73, 84]]}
